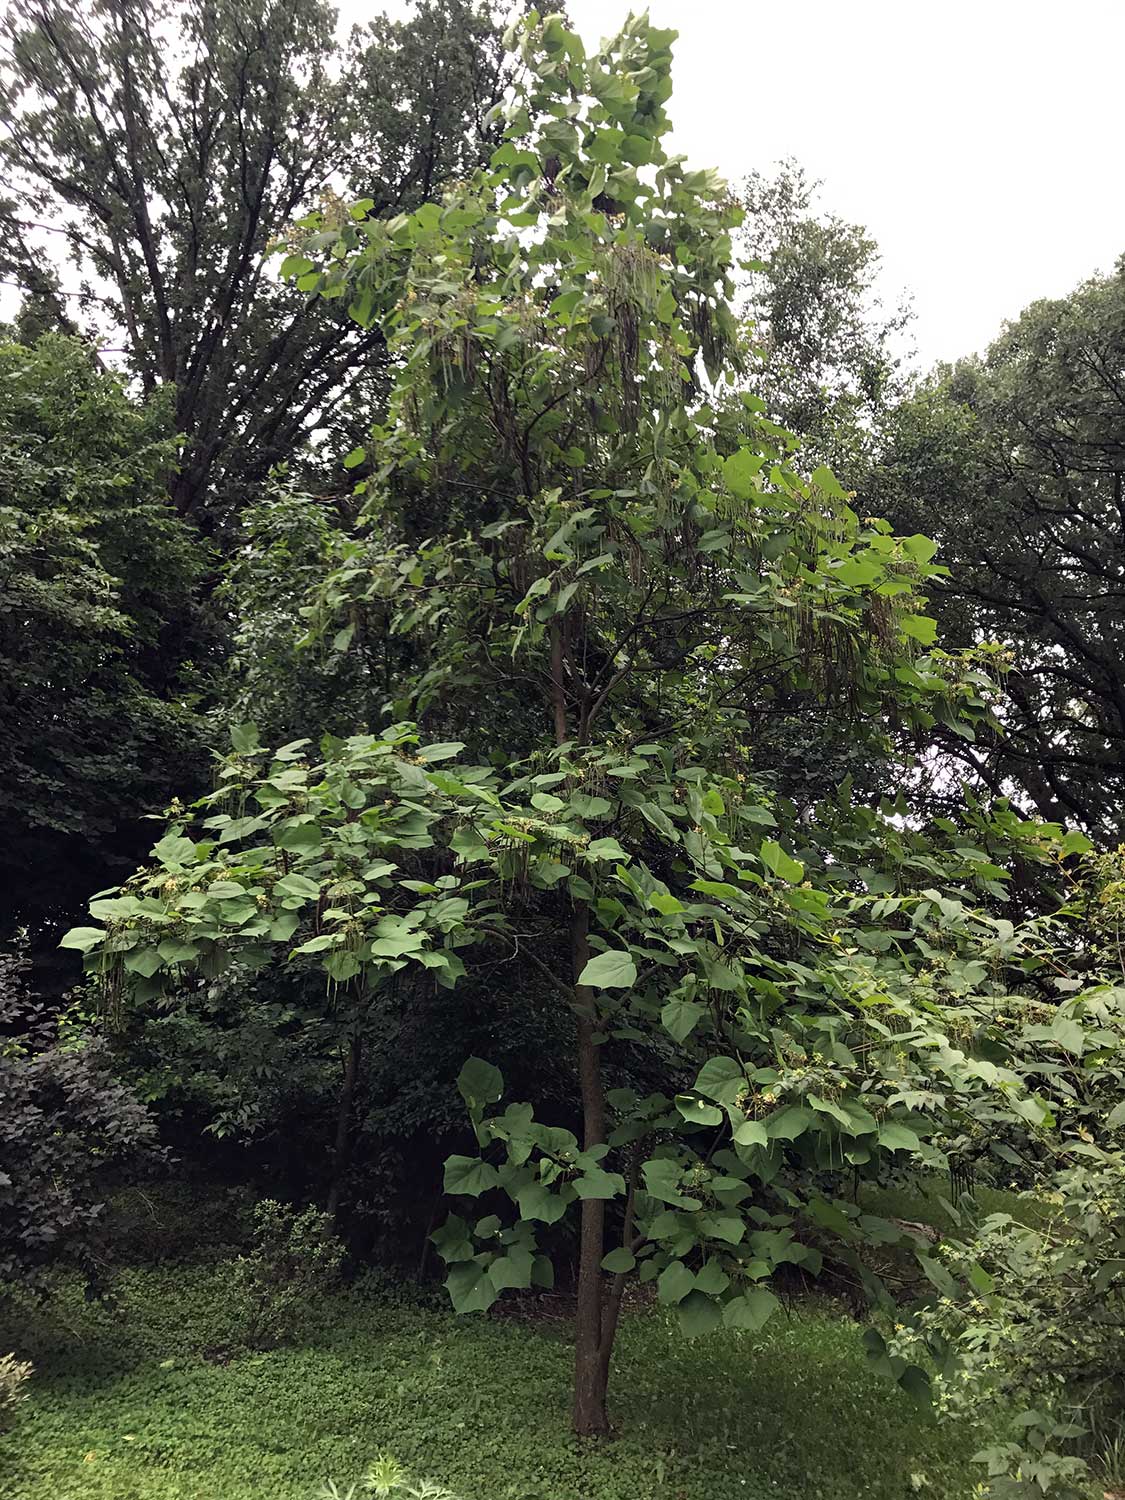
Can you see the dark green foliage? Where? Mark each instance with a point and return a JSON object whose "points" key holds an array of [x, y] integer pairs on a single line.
{"points": [[474, 1404], [97, 625], [1016, 464], [65, 1122], [289, 688], [169, 146]]}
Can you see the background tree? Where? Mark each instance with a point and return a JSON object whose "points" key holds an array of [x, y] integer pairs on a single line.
{"points": [[165, 148], [98, 630], [833, 358], [1016, 464]]}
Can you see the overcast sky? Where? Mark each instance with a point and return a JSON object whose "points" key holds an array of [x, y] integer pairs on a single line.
{"points": [[979, 140]]}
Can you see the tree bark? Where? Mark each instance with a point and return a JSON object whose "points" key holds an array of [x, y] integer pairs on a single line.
{"points": [[342, 1150], [591, 1355], [591, 1362]]}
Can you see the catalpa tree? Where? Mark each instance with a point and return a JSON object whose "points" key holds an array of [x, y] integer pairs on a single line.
{"points": [[626, 564]]}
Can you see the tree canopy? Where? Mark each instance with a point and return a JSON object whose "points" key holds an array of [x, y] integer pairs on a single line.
{"points": [[100, 643], [167, 148], [1015, 462]]}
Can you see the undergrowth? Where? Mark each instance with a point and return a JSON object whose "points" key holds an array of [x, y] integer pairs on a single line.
{"points": [[133, 1402]]}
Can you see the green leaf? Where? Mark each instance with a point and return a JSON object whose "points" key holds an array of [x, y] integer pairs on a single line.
{"points": [[174, 850], [83, 938], [113, 908], [585, 806], [920, 628], [712, 1279], [444, 751], [244, 738], [144, 961], [898, 1138], [470, 1287], [513, 1270], [826, 481], [787, 1124], [698, 1314], [751, 1133], [605, 849], [1075, 842], [665, 903], [751, 1310], [721, 1078], [547, 802], [619, 1261], [355, 458], [680, 1017], [695, 1112], [479, 1083], [469, 845], [980, 1280], [1068, 1033], [172, 951], [536, 1201], [612, 970], [342, 965], [594, 1183], [319, 943], [674, 1283], [469, 1175], [774, 857], [662, 1182], [740, 471]]}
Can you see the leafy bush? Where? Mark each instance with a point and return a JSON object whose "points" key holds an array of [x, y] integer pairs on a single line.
{"points": [[295, 1258], [14, 1375], [66, 1120], [1030, 1313]]}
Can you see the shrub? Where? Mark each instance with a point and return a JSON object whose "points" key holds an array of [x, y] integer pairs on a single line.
{"points": [[66, 1121], [14, 1375], [295, 1258]]}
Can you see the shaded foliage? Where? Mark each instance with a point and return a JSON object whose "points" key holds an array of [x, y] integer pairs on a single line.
{"points": [[1016, 462], [98, 628], [66, 1122]]}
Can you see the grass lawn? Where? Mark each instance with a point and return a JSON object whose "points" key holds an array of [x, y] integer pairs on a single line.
{"points": [[125, 1406]]}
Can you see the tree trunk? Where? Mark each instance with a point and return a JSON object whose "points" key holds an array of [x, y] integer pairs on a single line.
{"points": [[591, 1350], [342, 1149], [591, 1360]]}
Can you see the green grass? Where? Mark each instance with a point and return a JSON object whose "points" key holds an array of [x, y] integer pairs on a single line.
{"points": [[126, 1407], [922, 1200]]}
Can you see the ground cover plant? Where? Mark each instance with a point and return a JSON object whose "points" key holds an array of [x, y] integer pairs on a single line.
{"points": [[127, 1403]]}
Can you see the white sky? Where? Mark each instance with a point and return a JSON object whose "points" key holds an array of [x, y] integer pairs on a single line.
{"points": [[979, 140]]}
